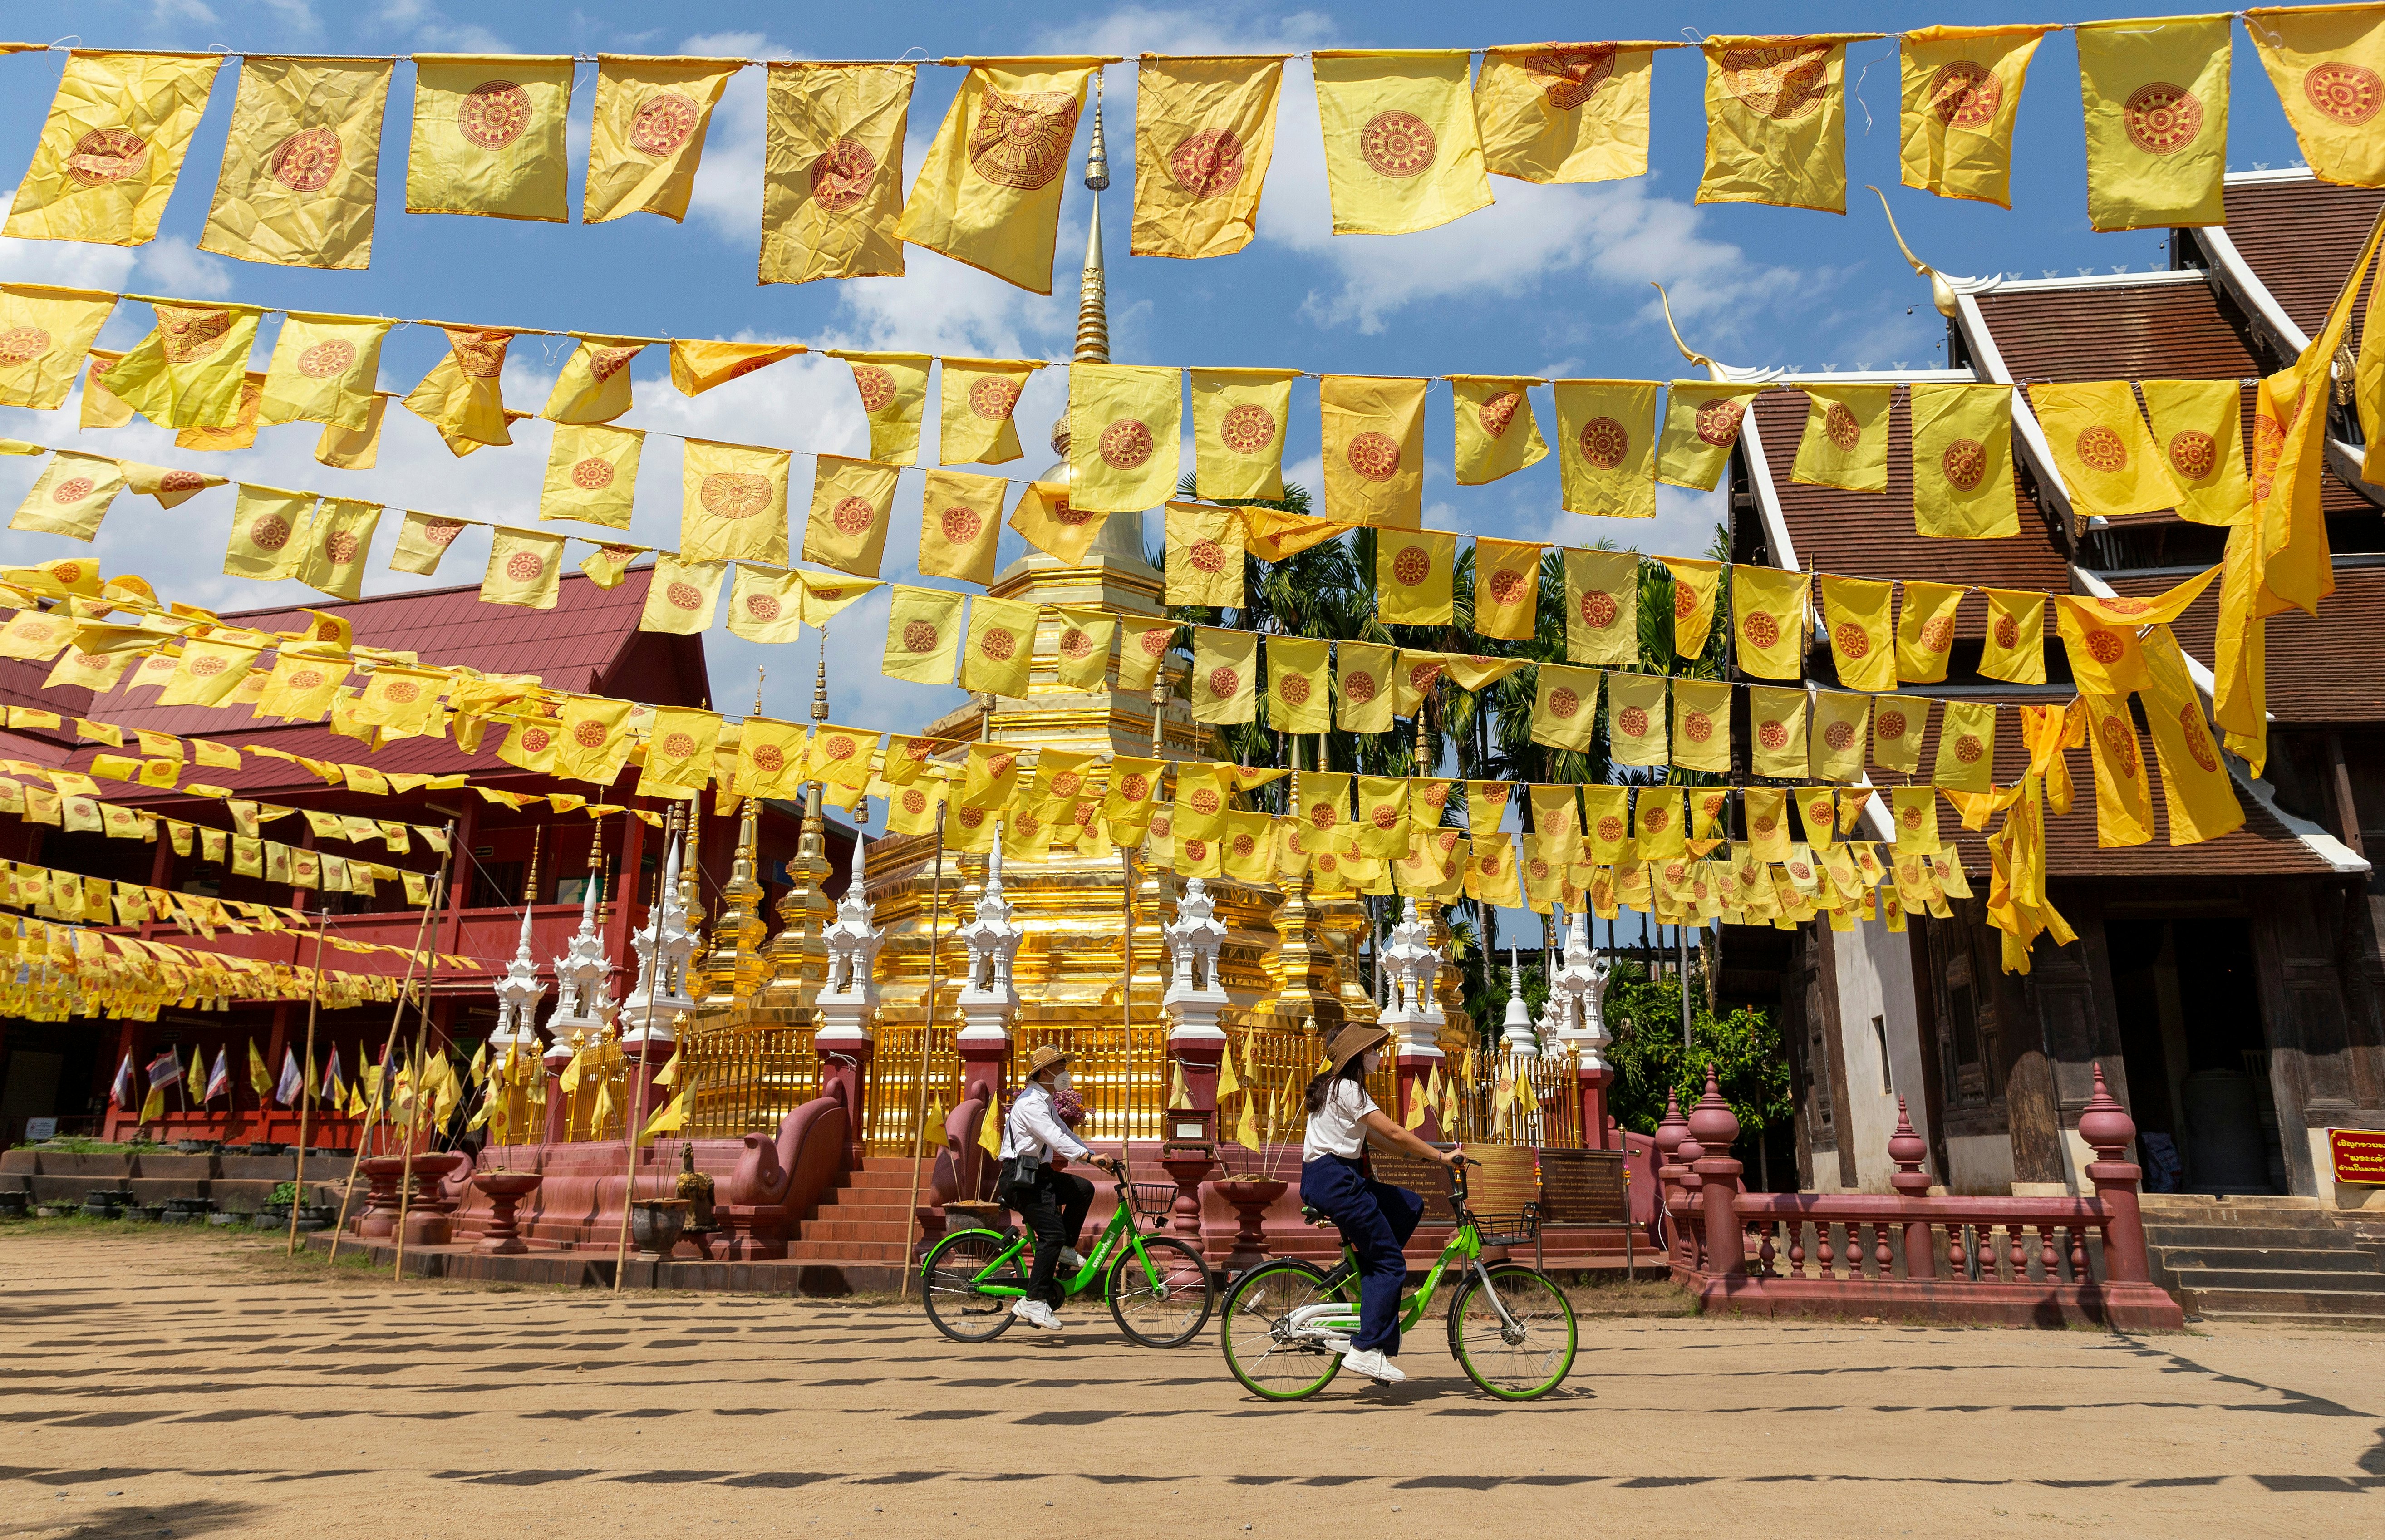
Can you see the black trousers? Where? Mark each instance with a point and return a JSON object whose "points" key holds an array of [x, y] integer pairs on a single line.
{"points": [[1055, 1206]]}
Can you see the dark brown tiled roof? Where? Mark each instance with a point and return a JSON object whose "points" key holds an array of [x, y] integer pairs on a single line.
{"points": [[2158, 329], [2330, 668], [1862, 534], [2300, 238], [2263, 847]]}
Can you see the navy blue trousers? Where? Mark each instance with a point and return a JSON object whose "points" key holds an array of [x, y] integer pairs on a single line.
{"points": [[1377, 1220]]}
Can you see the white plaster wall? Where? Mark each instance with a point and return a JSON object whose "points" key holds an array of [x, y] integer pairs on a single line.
{"points": [[1875, 977], [1982, 1164]]}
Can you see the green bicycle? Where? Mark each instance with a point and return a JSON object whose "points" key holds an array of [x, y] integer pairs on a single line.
{"points": [[1159, 1289], [1510, 1327]]}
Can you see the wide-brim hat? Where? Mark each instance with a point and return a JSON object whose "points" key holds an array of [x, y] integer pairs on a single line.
{"points": [[1352, 1041], [1047, 1057]]}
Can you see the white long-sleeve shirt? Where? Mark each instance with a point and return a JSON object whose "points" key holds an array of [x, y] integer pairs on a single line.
{"points": [[1033, 1128]]}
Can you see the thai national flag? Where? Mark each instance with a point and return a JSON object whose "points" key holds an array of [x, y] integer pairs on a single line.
{"points": [[165, 1069], [122, 1090], [292, 1082], [335, 1085], [218, 1078]]}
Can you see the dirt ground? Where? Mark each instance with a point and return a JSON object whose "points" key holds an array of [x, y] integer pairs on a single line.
{"points": [[169, 1383]]}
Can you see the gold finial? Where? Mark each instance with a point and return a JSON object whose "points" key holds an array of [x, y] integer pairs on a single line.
{"points": [[1667, 300], [1098, 156], [596, 871], [759, 677], [1941, 294], [819, 682], [529, 882]]}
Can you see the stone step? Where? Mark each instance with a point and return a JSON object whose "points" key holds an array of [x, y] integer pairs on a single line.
{"points": [[866, 1252], [830, 1227], [2256, 1236], [2295, 1259], [2272, 1318], [2283, 1302], [2293, 1280]]}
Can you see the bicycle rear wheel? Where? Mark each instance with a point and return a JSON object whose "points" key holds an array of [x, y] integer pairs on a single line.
{"points": [[1166, 1304], [1257, 1332], [949, 1286], [1514, 1363]]}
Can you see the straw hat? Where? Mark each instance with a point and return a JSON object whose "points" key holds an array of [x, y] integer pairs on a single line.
{"points": [[1352, 1041], [1046, 1057]]}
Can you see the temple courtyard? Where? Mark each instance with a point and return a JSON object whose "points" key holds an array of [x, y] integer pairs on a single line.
{"points": [[167, 1383]]}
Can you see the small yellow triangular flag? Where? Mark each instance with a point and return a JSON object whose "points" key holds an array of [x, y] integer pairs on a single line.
{"points": [[669, 1118], [1179, 1094], [1229, 1080]]}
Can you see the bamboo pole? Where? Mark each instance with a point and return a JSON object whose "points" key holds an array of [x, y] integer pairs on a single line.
{"points": [[406, 1177], [927, 1037], [305, 1098], [636, 1123], [389, 1045]]}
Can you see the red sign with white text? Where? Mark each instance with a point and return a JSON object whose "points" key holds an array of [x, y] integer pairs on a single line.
{"points": [[2358, 1153]]}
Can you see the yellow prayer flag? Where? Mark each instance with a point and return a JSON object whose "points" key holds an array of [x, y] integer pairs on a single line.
{"points": [[960, 524], [771, 758], [975, 399], [763, 606], [893, 391], [301, 687], [1000, 645], [1776, 731], [100, 407], [44, 335], [1565, 706], [1298, 670], [463, 395], [422, 539], [594, 738], [1897, 723], [2328, 64], [733, 503], [301, 164], [1414, 569], [1635, 718], [337, 542], [2155, 93], [1562, 112], [594, 386], [651, 118], [240, 432], [404, 703], [1506, 588], [1401, 148], [607, 565], [1845, 442], [488, 136], [1362, 685], [353, 448], [525, 568], [1238, 416], [681, 596], [188, 371], [2014, 648], [1702, 421], [1777, 121], [111, 147], [989, 190], [1602, 606], [821, 596], [1657, 820], [2124, 813], [1204, 136], [1204, 555], [1925, 631], [1373, 450], [852, 502], [1225, 675], [1053, 523], [1496, 434], [1862, 641], [1083, 647], [1962, 462], [2101, 448], [1608, 432], [1916, 819], [591, 473], [833, 170], [1962, 94], [1124, 422], [698, 366], [1695, 584], [207, 673], [1141, 646], [1967, 746], [266, 524], [678, 751], [1701, 725], [2197, 792], [1772, 609], [70, 496], [323, 370], [2200, 426]]}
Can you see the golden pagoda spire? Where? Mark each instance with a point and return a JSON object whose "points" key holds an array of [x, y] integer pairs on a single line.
{"points": [[796, 958], [736, 964], [1092, 309]]}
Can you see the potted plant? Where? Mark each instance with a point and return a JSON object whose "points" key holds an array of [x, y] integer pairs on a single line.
{"points": [[275, 1214]]}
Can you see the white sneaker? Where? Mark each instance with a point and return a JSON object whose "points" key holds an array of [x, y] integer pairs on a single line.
{"points": [[1069, 1259], [1036, 1314], [1373, 1365]]}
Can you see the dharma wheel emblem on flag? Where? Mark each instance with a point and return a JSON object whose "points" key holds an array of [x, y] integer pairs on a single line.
{"points": [[1208, 556], [1398, 144], [1156, 640], [762, 607], [1718, 421], [1599, 609], [855, 514], [920, 636], [1066, 782], [998, 644], [1564, 703], [494, 114], [340, 548], [678, 745], [1374, 456], [1851, 639], [1839, 425], [1633, 722], [2193, 454], [108, 155], [733, 493], [1964, 94], [1697, 727], [1134, 788], [684, 596], [1125, 444], [2120, 741], [1773, 734], [1358, 687], [441, 531], [21, 344], [1074, 643], [2106, 647], [1685, 603], [1965, 463], [525, 566], [1324, 816], [993, 397], [662, 123], [1499, 412], [325, 359], [769, 758], [2102, 449], [2162, 119], [1023, 142], [1294, 689], [1205, 800], [1938, 634], [189, 335], [2348, 93], [1509, 587], [1891, 725], [1781, 83], [961, 525], [1571, 76], [592, 474], [1760, 628], [589, 734], [877, 387], [307, 160], [269, 534], [74, 489], [1604, 443], [841, 176], [1411, 567], [2007, 631], [1247, 428], [1839, 735], [1207, 163], [2198, 743]]}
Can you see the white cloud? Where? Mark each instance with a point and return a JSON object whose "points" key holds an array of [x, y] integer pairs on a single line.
{"points": [[727, 196], [71, 264], [429, 28], [296, 17], [178, 268], [166, 12]]}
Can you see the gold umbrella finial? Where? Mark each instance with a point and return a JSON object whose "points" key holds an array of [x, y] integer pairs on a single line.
{"points": [[1941, 294], [1687, 352]]}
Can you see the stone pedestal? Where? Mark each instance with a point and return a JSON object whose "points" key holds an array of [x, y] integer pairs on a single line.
{"points": [[1250, 1198], [505, 1190], [1188, 1171], [380, 1219], [1594, 1084], [844, 1072]]}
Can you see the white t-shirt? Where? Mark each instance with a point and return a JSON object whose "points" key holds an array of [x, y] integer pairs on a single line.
{"points": [[1338, 1127]]}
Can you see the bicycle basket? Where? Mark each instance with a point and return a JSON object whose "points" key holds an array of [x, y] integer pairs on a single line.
{"points": [[1509, 1229], [1152, 1200]]}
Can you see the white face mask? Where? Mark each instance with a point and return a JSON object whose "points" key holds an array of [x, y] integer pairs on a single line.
{"points": [[1061, 1082], [1370, 1061]]}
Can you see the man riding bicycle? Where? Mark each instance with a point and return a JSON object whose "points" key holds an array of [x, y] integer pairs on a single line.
{"points": [[1052, 1203], [1376, 1218]]}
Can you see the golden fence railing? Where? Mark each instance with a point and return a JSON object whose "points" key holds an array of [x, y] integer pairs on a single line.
{"points": [[1121, 1074], [742, 1082], [903, 1053]]}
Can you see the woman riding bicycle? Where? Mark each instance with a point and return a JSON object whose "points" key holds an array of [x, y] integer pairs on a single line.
{"points": [[1054, 1203], [1375, 1217]]}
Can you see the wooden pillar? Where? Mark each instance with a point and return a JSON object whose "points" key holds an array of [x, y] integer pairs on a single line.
{"points": [[459, 885], [622, 900]]}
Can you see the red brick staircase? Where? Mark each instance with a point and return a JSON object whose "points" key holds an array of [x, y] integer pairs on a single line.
{"points": [[863, 1227]]}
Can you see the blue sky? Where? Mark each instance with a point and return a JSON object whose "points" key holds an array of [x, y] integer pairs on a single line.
{"points": [[1549, 281]]}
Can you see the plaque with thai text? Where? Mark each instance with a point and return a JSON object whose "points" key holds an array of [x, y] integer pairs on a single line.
{"points": [[2358, 1154], [1582, 1186]]}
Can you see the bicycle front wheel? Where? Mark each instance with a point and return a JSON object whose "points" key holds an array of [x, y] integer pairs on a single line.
{"points": [[1525, 1352], [1259, 1336], [950, 1283], [1166, 1303]]}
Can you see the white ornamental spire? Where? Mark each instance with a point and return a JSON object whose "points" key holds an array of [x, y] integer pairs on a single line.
{"points": [[518, 993], [583, 997], [663, 948], [1583, 980], [987, 1001], [1414, 1017], [1518, 1035], [1194, 995], [852, 943]]}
